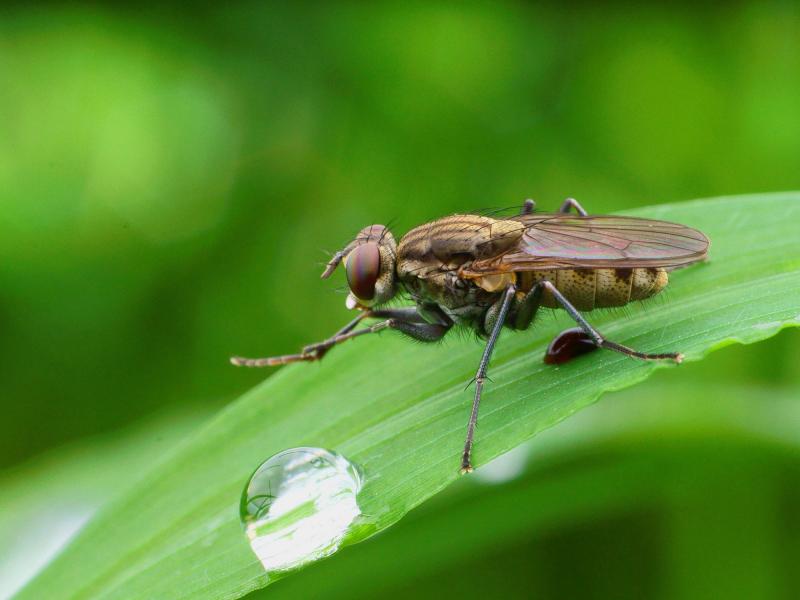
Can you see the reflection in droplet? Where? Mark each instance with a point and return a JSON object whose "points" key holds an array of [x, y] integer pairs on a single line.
{"points": [[298, 506]]}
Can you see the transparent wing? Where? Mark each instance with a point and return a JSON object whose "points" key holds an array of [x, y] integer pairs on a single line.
{"points": [[556, 241]]}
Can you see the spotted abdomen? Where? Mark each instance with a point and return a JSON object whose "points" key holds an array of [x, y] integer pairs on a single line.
{"points": [[597, 288]]}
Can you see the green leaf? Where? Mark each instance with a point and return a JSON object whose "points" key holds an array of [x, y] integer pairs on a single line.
{"points": [[47, 499], [603, 484], [399, 410]]}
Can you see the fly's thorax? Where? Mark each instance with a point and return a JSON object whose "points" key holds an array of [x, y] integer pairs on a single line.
{"points": [[587, 289], [448, 243], [446, 289], [461, 300], [429, 257]]}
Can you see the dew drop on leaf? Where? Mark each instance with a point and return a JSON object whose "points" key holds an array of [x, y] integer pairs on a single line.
{"points": [[298, 507]]}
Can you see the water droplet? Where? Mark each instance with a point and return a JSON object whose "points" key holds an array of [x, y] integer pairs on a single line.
{"points": [[567, 345], [299, 505]]}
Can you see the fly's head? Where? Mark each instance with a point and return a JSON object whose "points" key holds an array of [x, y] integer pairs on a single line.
{"points": [[369, 262]]}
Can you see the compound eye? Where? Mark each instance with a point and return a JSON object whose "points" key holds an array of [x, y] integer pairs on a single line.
{"points": [[363, 267]]}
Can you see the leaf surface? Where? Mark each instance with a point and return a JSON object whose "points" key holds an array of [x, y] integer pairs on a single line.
{"points": [[399, 410]]}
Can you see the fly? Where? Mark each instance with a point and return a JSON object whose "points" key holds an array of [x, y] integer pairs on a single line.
{"points": [[487, 273]]}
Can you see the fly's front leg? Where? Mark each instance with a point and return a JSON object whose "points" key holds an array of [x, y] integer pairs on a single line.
{"points": [[319, 349], [424, 332], [424, 324], [480, 376], [406, 320], [597, 337], [571, 203], [285, 359]]}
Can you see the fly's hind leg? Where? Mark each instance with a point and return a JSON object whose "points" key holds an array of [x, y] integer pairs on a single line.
{"points": [[571, 203], [597, 337]]}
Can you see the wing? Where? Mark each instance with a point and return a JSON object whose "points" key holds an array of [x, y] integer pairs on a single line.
{"points": [[560, 241]]}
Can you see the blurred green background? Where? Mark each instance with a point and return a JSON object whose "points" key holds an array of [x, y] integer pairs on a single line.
{"points": [[171, 178]]}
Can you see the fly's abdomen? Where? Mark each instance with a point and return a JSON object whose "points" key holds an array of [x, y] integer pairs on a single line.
{"points": [[587, 289]]}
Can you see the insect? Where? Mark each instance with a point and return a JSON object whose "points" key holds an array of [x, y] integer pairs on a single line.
{"points": [[487, 273]]}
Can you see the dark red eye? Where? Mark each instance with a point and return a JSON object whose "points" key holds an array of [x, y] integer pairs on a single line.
{"points": [[363, 266]]}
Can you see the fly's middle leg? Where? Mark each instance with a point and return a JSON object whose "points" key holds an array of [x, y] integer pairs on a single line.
{"points": [[597, 337], [480, 376]]}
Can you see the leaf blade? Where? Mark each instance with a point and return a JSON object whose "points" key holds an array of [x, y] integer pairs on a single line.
{"points": [[178, 535]]}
